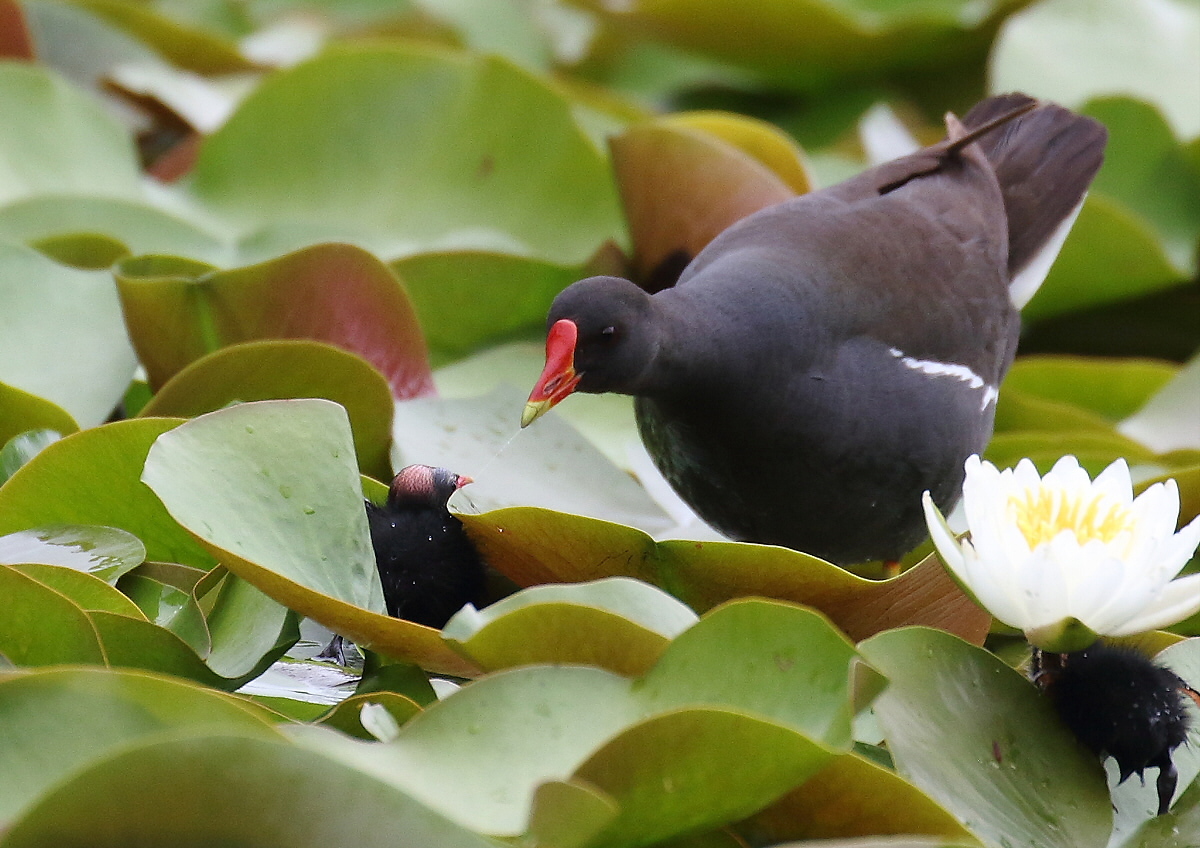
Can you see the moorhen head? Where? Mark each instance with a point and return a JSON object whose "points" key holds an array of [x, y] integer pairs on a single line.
{"points": [[824, 361], [428, 566]]}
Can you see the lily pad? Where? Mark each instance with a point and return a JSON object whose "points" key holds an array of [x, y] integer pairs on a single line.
{"points": [[852, 796], [548, 464], [178, 310], [138, 226], [171, 608], [104, 552], [58, 720], [447, 165], [89, 593], [271, 489], [137, 794], [50, 490], [21, 412], [42, 626], [187, 47], [23, 447], [533, 546], [466, 299], [676, 773], [54, 138], [681, 186], [1170, 420], [1074, 51], [978, 738], [480, 755], [64, 337], [272, 370], [617, 623]]}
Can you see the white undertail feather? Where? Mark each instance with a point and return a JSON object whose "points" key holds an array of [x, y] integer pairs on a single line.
{"points": [[1030, 278]]}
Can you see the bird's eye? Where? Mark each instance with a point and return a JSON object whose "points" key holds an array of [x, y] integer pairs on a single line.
{"points": [[608, 334]]}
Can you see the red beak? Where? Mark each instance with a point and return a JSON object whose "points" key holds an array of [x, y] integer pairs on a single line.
{"points": [[558, 378]]}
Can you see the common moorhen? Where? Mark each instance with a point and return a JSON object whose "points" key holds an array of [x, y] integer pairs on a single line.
{"points": [[1120, 703], [824, 361], [428, 566]]}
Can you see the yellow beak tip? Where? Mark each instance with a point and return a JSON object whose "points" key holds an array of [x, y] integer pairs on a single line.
{"points": [[533, 411]]}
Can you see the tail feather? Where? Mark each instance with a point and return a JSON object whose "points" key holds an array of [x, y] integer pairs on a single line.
{"points": [[1045, 160]]}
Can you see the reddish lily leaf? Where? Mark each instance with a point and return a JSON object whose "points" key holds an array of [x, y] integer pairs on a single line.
{"points": [[177, 310], [15, 40], [533, 546], [680, 187]]}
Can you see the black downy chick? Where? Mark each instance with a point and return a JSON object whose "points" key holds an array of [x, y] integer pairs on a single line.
{"points": [[428, 566], [1122, 704]]}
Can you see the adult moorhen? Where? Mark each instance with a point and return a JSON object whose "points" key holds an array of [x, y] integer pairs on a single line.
{"points": [[428, 566], [824, 361]]}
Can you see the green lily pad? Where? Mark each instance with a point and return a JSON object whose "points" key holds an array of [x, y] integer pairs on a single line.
{"points": [[852, 796], [1170, 420], [136, 225], [53, 138], [1110, 256], [83, 369], [446, 166], [1110, 388], [50, 490], [347, 716], [605, 420], [187, 47], [85, 251], [135, 795], [1146, 168], [89, 593], [617, 623], [178, 310], [1074, 51], [272, 370], [480, 755], [247, 629], [104, 552], [57, 720], [812, 43], [271, 489], [1095, 450], [978, 738], [467, 299], [171, 608], [533, 546], [21, 412], [677, 773], [42, 626], [23, 447], [548, 464]]}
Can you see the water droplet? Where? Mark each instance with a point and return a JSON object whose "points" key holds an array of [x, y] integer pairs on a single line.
{"points": [[249, 429], [308, 510], [286, 491]]}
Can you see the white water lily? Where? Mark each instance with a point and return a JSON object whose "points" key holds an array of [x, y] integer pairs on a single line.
{"points": [[1066, 558]]}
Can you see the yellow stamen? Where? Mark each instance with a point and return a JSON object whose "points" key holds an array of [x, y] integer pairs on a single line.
{"points": [[1044, 513]]}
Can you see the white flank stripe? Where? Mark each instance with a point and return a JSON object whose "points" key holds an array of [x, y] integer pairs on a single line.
{"points": [[948, 369]]}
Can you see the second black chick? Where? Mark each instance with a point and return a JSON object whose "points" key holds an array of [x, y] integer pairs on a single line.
{"points": [[1120, 703], [428, 566]]}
